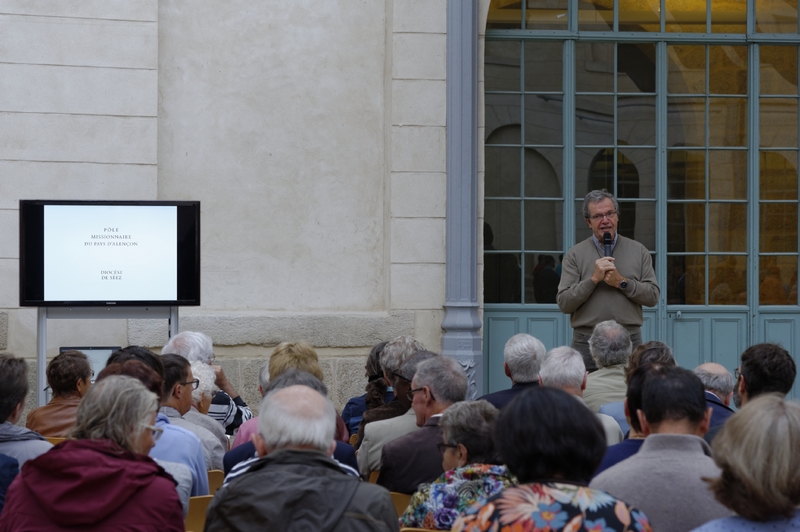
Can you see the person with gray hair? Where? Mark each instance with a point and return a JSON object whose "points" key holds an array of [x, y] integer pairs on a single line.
{"points": [[522, 356], [718, 382], [227, 407], [295, 485], [611, 346], [563, 368], [414, 458], [607, 276], [201, 401]]}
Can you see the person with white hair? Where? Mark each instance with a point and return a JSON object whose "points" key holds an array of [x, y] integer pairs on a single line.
{"points": [[563, 368], [296, 485], [201, 401], [611, 347], [227, 407], [718, 383], [522, 357]]}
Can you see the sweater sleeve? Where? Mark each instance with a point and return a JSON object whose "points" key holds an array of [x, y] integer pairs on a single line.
{"points": [[572, 290], [645, 291]]}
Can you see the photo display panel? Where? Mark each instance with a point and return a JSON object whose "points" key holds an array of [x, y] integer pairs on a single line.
{"points": [[110, 252]]}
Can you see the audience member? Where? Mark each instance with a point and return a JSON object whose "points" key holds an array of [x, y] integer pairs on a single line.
{"points": [[765, 368], [757, 452], [9, 467], [201, 401], [610, 345], [101, 478], [664, 478], [522, 357], [17, 442], [718, 383], [177, 400], [295, 485], [410, 460], [471, 468], [563, 368], [378, 393], [552, 444], [394, 354], [226, 405], [69, 376]]}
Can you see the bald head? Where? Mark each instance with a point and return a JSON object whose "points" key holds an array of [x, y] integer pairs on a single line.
{"points": [[297, 417], [716, 379]]}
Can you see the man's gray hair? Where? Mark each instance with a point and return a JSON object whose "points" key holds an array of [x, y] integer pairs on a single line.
{"points": [[523, 354], [205, 374], [610, 344], [563, 368], [409, 368], [293, 377], [471, 423], [445, 378], [719, 383], [263, 377], [297, 416], [598, 195], [193, 346], [397, 351]]}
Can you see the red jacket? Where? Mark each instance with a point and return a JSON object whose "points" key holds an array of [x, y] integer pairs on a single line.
{"points": [[92, 485]]}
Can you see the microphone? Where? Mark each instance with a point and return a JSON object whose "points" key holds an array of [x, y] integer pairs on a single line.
{"points": [[607, 243]]}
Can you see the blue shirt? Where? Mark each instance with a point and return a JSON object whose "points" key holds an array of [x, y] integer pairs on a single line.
{"points": [[619, 452], [177, 444]]}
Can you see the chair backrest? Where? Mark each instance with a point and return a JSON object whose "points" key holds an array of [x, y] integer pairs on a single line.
{"points": [[400, 501], [373, 477], [196, 518], [353, 439], [215, 479], [55, 441]]}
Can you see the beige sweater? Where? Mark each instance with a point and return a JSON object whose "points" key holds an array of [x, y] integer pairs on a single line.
{"points": [[589, 304]]}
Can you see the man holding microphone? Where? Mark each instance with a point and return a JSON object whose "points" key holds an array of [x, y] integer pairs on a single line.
{"points": [[605, 277]]}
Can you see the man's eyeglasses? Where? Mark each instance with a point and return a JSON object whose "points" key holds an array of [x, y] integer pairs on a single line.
{"points": [[597, 217], [195, 383], [157, 431], [444, 446], [411, 393], [400, 376], [736, 374]]}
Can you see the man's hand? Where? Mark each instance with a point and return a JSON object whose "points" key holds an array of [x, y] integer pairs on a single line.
{"points": [[223, 383], [613, 278], [602, 267]]}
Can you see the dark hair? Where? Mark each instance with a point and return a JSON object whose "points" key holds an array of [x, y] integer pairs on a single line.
{"points": [[634, 392], [545, 433], [652, 352], [134, 352], [13, 384], [376, 386], [673, 394], [64, 371], [176, 370], [294, 376], [767, 368], [138, 370]]}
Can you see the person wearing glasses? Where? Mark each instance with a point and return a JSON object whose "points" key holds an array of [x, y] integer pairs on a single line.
{"points": [[595, 287], [69, 375], [101, 477], [472, 469], [177, 400]]}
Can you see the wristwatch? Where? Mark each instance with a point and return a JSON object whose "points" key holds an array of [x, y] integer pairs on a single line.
{"points": [[623, 284]]}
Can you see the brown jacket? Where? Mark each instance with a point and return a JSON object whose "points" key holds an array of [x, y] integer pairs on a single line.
{"points": [[55, 418]]}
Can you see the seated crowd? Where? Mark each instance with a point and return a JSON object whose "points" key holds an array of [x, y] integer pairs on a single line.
{"points": [[638, 444]]}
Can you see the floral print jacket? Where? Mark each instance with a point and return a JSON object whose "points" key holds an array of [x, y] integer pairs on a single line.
{"points": [[436, 505], [550, 507]]}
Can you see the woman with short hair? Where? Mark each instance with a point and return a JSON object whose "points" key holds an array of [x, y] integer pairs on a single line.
{"points": [[760, 480], [471, 468], [69, 375], [101, 478]]}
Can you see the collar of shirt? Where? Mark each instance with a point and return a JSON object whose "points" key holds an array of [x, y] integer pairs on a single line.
{"points": [[602, 248]]}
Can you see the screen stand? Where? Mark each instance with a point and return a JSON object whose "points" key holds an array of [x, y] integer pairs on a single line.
{"points": [[89, 313]]}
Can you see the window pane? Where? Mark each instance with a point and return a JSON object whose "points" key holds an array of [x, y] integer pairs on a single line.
{"points": [[778, 175], [594, 120], [728, 17], [504, 15], [543, 66], [546, 15], [594, 67], [637, 220], [595, 17], [776, 16], [728, 280], [601, 172], [778, 70], [501, 278], [687, 69], [636, 120], [727, 174], [542, 275], [686, 122], [543, 227], [727, 69], [544, 121], [503, 119], [727, 120], [778, 127], [685, 17], [777, 281], [686, 227], [686, 174], [727, 227], [543, 177], [502, 172], [636, 67], [686, 280], [501, 66], [584, 168], [582, 231], [638, 15], [777, 226], [503, 218], [636, 170]]}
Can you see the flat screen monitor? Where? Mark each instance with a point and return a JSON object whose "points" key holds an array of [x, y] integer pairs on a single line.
{"points": [[101, 253]]}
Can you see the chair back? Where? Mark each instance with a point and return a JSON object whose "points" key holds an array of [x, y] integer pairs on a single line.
{"points": [[400, 501], [215, 479], [353, 439], [55, 441], [373, 477], [196, 518]]}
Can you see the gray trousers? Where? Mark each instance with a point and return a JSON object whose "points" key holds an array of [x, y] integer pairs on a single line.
{"points": [[580, 342]]}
